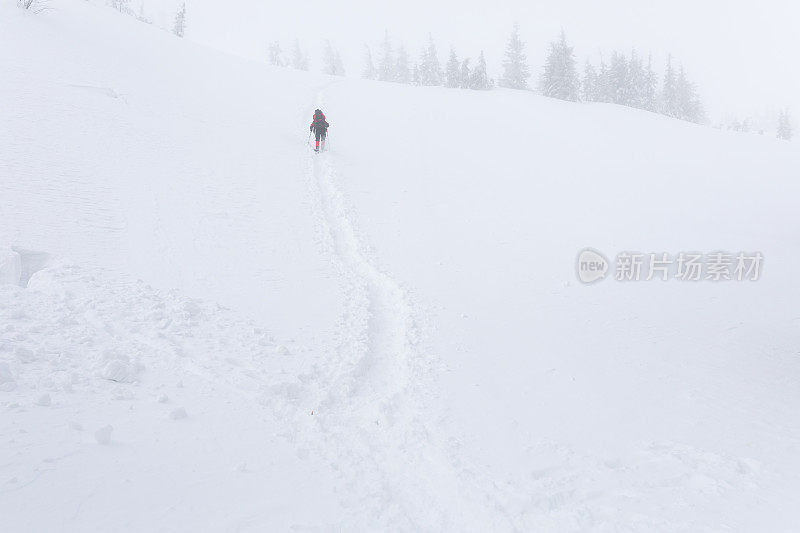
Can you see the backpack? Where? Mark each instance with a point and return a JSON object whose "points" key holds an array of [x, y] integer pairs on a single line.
{"points": [[319, 120]]}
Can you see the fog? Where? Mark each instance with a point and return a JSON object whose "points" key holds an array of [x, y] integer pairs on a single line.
{"points": [[745, 56]]}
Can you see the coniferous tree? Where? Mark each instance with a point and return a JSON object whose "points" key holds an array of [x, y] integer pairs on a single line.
{"points": [[179, 28], [369, 72], [275, 54], [332, 63], [515, 67], [480, 79], [688, 102], [605, 90], [636, 82], [430, 72], [560, 78], [650, 87], [466, 75], [669, 92], [329, 59], [123, 6], [785, 130], [453, 72], [299, 58], [745, 126], [402, 72], [589, 85], [337, 60], [415, 80], [618, 79], [386, 66]]}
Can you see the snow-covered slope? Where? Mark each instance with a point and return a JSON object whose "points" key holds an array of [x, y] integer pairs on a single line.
{"points": [[652, 406], [205, 327]]}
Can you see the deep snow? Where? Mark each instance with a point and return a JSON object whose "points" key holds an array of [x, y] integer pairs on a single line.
{"points": [[203, 326]]}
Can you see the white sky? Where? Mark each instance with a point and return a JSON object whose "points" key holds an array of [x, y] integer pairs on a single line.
{"points": [[744, 55]]}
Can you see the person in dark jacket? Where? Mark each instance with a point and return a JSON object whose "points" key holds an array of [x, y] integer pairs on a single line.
{"points": [[320, 128]]}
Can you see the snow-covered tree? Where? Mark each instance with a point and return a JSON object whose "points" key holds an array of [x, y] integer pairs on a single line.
{"points": [[465, 74], [602, 87], [276, 55], [386, 65], [415, 80], [337, 60], [123, 6], [636, 82], [589, 83], [629, 82], [331, 61], [369, 72], [179, 27], [669, 92], [299, 58], [402, 71], [618, 79], [480, 79], [785, 130], [430, 72], [515, 66], [453, 71], [650, 87], [746, 125], [689, 106], [560, 78]]}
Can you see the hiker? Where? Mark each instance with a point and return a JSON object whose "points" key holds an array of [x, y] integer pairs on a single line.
{"points": [[320, 128]]}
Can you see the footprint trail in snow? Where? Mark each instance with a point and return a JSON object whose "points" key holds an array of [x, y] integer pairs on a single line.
{"points": [[374, 395]]}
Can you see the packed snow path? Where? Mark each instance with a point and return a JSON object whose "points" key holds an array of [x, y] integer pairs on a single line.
{"points": [[373, 407], [378, 349]]}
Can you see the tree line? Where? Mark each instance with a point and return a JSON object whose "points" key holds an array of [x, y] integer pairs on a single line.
{"points": [[625, 78], [395, 65]]}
